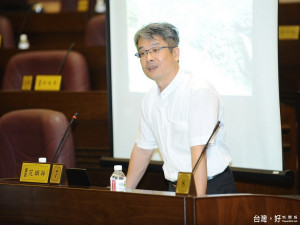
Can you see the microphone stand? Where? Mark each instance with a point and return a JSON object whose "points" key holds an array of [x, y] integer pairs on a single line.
{"points": [[63, 138], [185, 182], [206, 145]]}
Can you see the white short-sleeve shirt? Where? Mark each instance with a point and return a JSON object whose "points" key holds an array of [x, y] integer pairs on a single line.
{"points": [[184, 114]]}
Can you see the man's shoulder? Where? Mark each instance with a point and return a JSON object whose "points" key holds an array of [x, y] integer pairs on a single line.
{"points": [[196, 82]]}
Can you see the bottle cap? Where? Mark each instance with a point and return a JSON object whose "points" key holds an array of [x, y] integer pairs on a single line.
{"points": [[23, 37], [118, 167], [38, 7], [42, 160], [100, 6]]}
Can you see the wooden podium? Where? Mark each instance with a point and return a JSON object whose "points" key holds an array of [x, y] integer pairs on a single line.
{"points": [[45, 204]]}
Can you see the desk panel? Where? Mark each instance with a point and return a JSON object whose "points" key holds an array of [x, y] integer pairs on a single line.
{"points": [[44, 204], [37, 204], [246, 209]]}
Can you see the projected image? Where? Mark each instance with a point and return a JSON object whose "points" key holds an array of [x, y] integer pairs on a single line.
{"points": [[215, 40], [232, 43]]}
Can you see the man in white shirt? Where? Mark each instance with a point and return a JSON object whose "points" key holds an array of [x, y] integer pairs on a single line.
{"points": [[178, 117]]}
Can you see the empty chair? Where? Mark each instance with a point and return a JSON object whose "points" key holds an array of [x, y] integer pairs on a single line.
{"points": [[7, 33], [74, 70], [95, 31], [28, 134]]}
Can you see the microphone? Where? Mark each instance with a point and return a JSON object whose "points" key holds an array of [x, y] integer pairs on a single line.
{"points": [[64, 136], [24, 23], [64, 59], [34, 7], [206, 145]]}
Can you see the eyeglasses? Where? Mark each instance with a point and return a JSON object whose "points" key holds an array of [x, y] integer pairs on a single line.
{"points": [[153, 51]]}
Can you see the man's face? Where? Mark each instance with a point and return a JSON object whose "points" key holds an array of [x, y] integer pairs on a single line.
{"points": [[159, 66]]}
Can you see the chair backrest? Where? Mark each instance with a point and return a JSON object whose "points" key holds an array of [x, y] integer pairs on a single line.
{"points": [[95, 31], [75, 74], [28, 134], [7, 33]]}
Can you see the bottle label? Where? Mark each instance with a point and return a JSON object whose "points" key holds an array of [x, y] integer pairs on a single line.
{"points": [[117, 185]]}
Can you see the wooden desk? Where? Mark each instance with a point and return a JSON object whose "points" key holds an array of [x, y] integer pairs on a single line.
{"points": [[43, 204]]}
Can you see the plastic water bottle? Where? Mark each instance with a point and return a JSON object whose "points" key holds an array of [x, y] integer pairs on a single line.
{"points": [[118, 179], [23, 43]]}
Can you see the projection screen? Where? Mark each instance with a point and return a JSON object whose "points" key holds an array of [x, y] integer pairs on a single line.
{"points": [[232, 43]]}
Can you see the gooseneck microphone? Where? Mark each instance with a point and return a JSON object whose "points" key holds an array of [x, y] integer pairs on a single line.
{"points": [[62, 63], [206, 145], [63, 137], [24, 23]]}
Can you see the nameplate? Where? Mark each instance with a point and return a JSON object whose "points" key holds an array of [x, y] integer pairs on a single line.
{"points": [[35, 172], [288, 32], [27, 82], [47, 83], [82, 5], [185, 184], [58, 174]]}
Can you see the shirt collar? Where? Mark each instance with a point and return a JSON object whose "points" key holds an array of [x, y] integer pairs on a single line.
{"points": [[174, 83]]}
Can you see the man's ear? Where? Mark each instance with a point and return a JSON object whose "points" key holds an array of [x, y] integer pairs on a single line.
{"points": [[176, 53]]}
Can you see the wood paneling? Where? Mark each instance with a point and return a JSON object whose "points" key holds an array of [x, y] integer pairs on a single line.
{"points": [[43, 204], [289, 87], [34, 204], [57, 30], [288, 14]]}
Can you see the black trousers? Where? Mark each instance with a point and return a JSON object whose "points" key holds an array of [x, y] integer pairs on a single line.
{"points": [[221, 184]]}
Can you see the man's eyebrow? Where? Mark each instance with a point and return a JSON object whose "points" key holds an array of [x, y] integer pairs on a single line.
{"points": [[157, 43]]}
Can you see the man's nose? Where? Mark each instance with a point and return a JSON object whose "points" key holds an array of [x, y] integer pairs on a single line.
{"points": [[149, 56]]}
